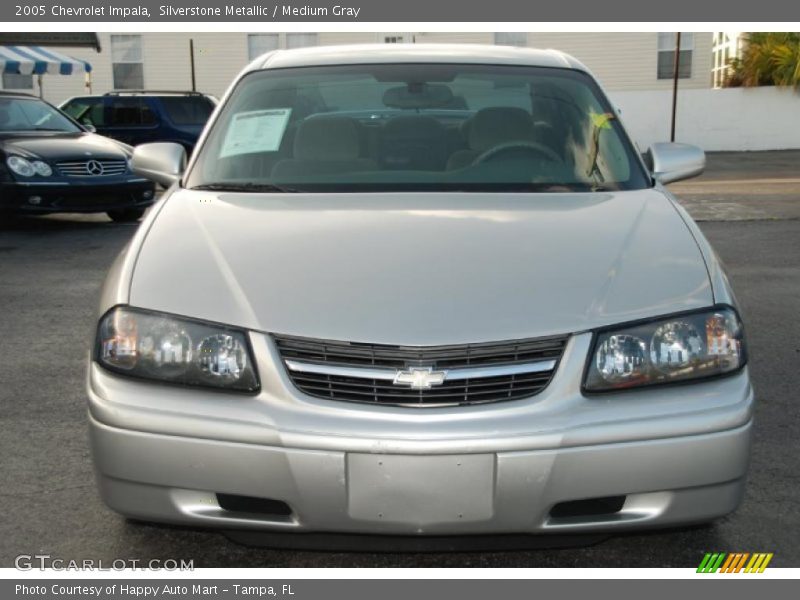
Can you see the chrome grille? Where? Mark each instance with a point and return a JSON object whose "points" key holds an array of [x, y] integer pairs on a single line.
{"points": [[473, 373], [88, 168]]}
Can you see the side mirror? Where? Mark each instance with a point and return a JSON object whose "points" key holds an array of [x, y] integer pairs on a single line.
{"points": [[673, 162], [88, 126], [162, 162]]}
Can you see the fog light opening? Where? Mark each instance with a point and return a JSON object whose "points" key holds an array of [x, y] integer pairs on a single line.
{"points": [[253, 505], [591, 507], [147, 194]]}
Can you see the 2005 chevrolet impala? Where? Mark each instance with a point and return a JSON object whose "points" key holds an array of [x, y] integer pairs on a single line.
{"points": [[419, 291]]}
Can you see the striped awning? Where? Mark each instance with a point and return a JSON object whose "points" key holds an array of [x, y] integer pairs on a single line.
{"points": [[36, 60]]}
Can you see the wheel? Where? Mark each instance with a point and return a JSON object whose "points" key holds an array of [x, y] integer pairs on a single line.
{"points": [[126, 215], [8, 219]]}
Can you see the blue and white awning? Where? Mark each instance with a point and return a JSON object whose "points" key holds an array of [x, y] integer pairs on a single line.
{"points": [[35, 60]]}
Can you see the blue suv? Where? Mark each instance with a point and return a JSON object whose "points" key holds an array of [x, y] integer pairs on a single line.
{"points": [[140, 116]]}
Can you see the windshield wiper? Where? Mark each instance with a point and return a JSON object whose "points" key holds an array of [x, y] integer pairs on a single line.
{"points": [[245, 187]]}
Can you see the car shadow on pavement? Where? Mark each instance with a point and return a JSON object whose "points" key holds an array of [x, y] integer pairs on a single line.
{"points": [[212, 549], [58, 223]]}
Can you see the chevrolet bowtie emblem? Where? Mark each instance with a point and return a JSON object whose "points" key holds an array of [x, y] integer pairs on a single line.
{"points": [[420, 378]]}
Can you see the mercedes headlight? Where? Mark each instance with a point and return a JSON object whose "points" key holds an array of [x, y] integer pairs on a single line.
{"points": [[162, 347], [26, 168], [20, 166], [42, 168], [680, 348]]}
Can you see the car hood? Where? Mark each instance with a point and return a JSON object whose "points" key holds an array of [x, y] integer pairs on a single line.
{"points": [[59, 146], [419, 269]]}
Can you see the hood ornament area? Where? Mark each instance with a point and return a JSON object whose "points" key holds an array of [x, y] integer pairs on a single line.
{"points": [[420, 378], [94, 167]]}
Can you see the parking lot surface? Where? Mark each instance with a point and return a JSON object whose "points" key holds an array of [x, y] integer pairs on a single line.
{"points": [[50, 272]]}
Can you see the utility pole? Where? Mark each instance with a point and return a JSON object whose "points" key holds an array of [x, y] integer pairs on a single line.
{"points": [[191, 61], [676, 62]]}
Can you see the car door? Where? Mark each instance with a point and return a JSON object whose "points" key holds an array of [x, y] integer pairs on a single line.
{"points": [[131, 120]]}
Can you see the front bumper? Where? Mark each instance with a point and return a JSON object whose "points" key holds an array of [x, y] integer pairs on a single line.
{"points": [[676, 454], [176, 479], [76, 196]]}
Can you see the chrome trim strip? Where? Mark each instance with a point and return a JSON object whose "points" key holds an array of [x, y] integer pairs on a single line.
{"points": [[390, 374], [363, 373], [539, 366]]}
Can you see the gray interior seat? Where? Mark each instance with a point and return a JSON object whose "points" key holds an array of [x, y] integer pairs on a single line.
{"points": [[324, 145], [490, 127], [414, 142]]}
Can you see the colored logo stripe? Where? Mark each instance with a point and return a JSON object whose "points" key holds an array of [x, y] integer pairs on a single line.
{"points": [[758, 563], [711, 562], [734, 563]]}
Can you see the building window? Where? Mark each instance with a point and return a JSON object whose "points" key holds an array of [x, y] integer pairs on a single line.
{"points": [[15, 81], [127, 63], [507, 38], [666, 55], [300, 40], [261, 43]]}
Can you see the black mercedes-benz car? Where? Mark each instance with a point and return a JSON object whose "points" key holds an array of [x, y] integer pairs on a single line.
{"points": [[49, 163]]}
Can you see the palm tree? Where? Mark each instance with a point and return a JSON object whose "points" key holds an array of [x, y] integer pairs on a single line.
{"points": [[769, 58]]}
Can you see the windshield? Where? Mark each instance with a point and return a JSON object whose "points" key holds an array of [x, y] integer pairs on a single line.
{"points": [[31, 114], [417, 127]]}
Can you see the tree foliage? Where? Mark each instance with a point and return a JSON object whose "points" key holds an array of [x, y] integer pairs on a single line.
{"points": [[769, 58]]}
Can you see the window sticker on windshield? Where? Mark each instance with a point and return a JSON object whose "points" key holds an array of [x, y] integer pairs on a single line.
{"points": [[255, 131]]}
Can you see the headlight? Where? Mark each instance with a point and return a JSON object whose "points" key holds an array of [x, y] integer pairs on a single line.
{"points": [[166, 348], [20, 166], [679, 348], [42, 168]]}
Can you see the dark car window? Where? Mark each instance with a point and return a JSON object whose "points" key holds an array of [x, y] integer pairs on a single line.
{"points": [[86, 111], [31, 114], [130, 112], [187, 110]]}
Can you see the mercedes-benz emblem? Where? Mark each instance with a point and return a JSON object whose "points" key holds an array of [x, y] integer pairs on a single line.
{"points": [[94, 167]]}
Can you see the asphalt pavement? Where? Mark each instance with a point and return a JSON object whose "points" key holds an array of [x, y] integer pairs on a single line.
{"points": [[51, 269]]}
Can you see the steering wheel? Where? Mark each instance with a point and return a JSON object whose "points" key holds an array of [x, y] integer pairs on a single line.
{"points": [[540, 149]]}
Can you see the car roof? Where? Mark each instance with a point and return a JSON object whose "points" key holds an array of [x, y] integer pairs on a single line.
{"points": [[18, 95], [415, 53], [155, 93], [145, 93]]}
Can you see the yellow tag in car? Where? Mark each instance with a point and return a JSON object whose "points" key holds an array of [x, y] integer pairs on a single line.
{"points": [[601, 120]]}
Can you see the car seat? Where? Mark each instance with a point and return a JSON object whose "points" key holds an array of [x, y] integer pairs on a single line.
{"points": [[490, 127], [324, 145]]}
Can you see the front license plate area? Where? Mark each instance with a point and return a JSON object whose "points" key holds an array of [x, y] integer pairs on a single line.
{"points": [[420, 490]]}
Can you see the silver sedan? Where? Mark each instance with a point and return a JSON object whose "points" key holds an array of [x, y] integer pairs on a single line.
{"points": [[419, 291]]}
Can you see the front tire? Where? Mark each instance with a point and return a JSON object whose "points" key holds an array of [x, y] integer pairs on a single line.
{"points": [[127, 215], [7, 219]]}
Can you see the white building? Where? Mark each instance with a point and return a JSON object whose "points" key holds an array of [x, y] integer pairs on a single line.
{"points": [[161, 61]]}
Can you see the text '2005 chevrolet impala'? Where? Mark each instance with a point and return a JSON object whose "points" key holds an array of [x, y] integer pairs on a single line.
{"points": [[422, 292]]}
